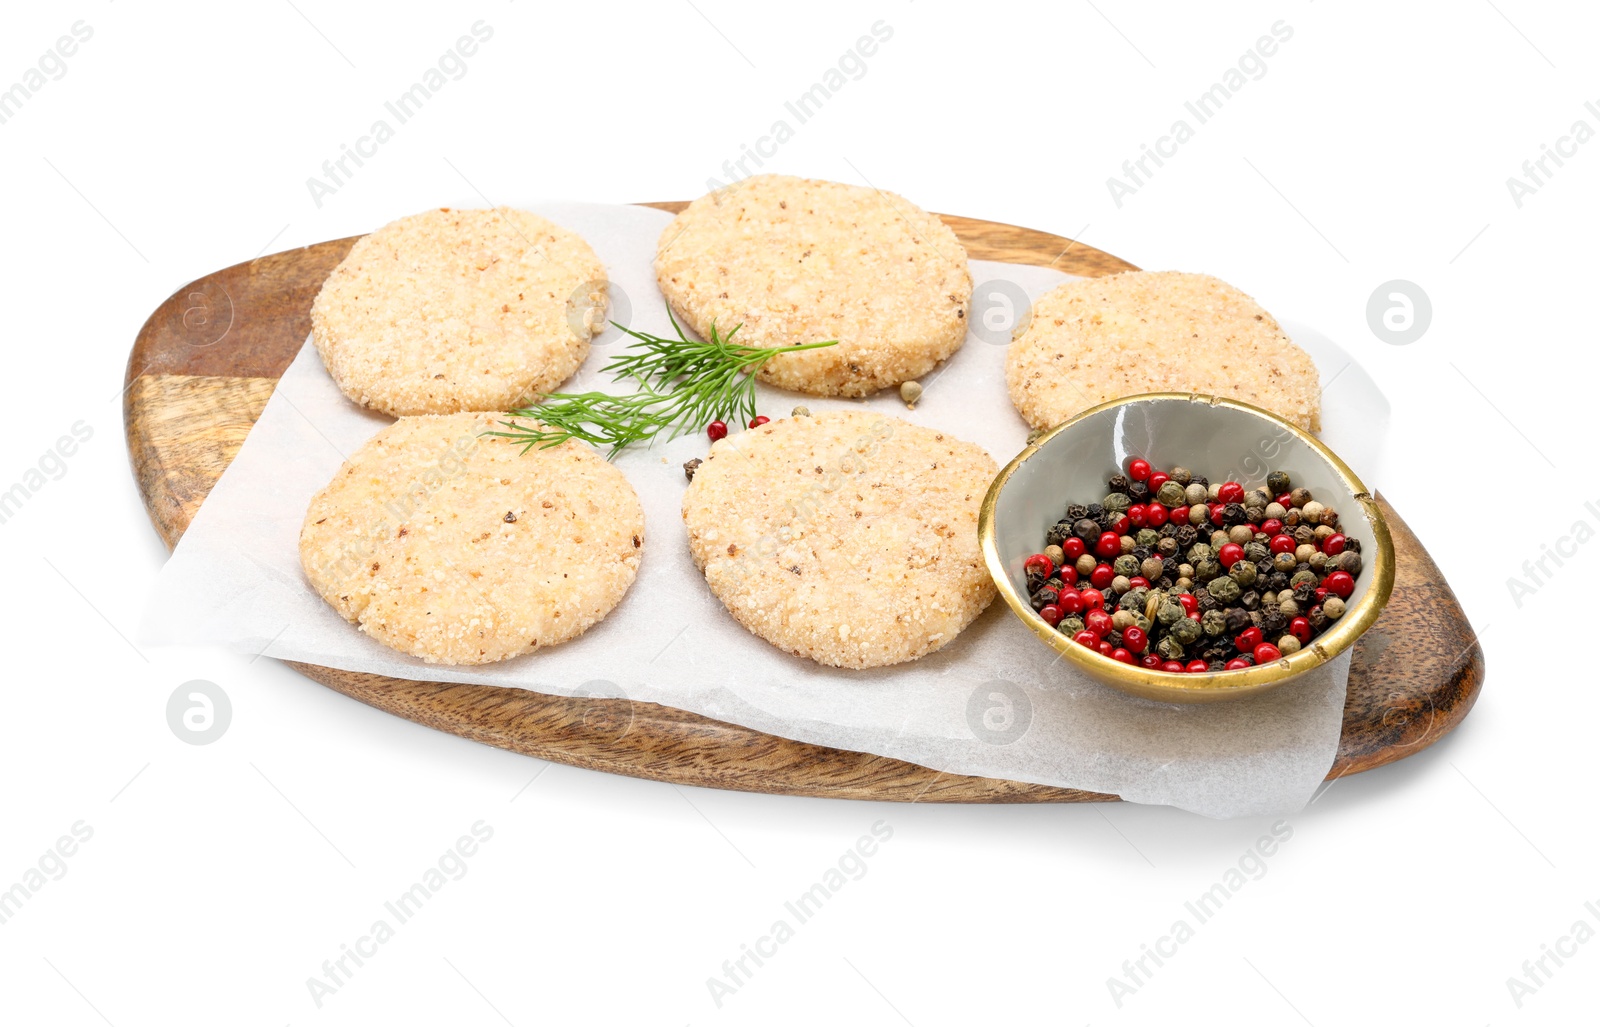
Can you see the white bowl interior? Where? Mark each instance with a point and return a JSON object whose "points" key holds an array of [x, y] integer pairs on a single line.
{"points": [[1223, 443]]}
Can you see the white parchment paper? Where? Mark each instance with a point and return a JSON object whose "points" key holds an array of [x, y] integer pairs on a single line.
{"points": [[995, 702]]}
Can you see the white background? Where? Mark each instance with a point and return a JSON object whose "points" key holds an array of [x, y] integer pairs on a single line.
{"points": [[220, 877]]}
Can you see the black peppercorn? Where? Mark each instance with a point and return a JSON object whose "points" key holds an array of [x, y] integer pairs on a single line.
{"points": [[1115, 638], [1215, 652], [1305, 593], [1118, 483], [1233, 514], [1138, 491], [1105, 519], [1144, 552], [1058, 533], [1094, 510], [1251, 600], [1352, 545], [1076, 512], [1200, 480], [1087, 530], [1168, 530], [1238, 620], [1273, 622], [1277, 581], [1317, 617], [1207, 602], [1186, 536], [1167, 548], [689, 468]]}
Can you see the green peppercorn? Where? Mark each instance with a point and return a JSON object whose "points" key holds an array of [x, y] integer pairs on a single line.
{"points": [[1070, 625], [1170, 613], [1244, 572], [1206, 570], [1223, 589], [1278, 482], [1333, 606], [1170, 648], [1213, 622], [1170, 494], [1126, 564], [1186, 630], [1148, 537], [1133, 600], [1199, 553], [1167, 548], [1302, 578], [1117, 503], [806, 412], [1255, 551]]}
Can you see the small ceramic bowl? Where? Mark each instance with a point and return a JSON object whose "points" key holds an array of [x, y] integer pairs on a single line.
{"points": [[1224, 440]]}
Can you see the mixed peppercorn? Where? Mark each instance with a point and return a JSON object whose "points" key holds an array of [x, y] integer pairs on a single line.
{"points": [[1173, 573]]}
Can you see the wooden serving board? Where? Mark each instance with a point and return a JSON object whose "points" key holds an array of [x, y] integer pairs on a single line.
{"points": [[207, 360]]}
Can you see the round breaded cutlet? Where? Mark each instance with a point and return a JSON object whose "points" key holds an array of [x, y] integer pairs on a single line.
{"points": [[460, 549], [850, 538], [1094, 340], [793, 260], [454, 310]]}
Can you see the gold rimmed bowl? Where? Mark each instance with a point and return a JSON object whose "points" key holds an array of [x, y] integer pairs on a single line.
{"points": [[1223, 439]]}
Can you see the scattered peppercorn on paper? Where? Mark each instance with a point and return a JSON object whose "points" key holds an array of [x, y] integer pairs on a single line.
{"points": [[993, 702]]}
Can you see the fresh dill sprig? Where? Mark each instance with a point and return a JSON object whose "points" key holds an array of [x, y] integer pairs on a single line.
{"points": [[683, 384]]}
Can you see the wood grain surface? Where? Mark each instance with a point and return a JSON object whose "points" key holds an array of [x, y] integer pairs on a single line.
{"points": [[207, 360]]}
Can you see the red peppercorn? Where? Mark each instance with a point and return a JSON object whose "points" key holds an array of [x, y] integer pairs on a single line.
{"points": [[1216, 513], [1340, 583], [1230, 554], [1271, 526], [1156, 515], [1134, 639], [1039, 564], [1051, 614], [1189, 603], [1071, 603], [1322, 594], [1283, 501], [1180, 515], [1248, 639], [1151, 662], [1138, 581], [1266, 652], [1103, 648], [1300, 628], [1069, 574], [1102, 576], [1239, 663], [1230, 492], [1333, 545], [1073, 547], [759, 421], [1136, 514], [1110, 544], [1172, 667], [1122, 656], [1086, 638], [1098, 621], [1092, 599], [1282, 544], [1139, 470], [1123, 525], [1197, 667], [717, 430], [1158, 479]]}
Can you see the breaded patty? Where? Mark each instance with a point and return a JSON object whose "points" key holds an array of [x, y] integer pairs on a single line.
{"points": [[454, 310], [1094, 340], [793, 260], [850, 538], [460, 549]]}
